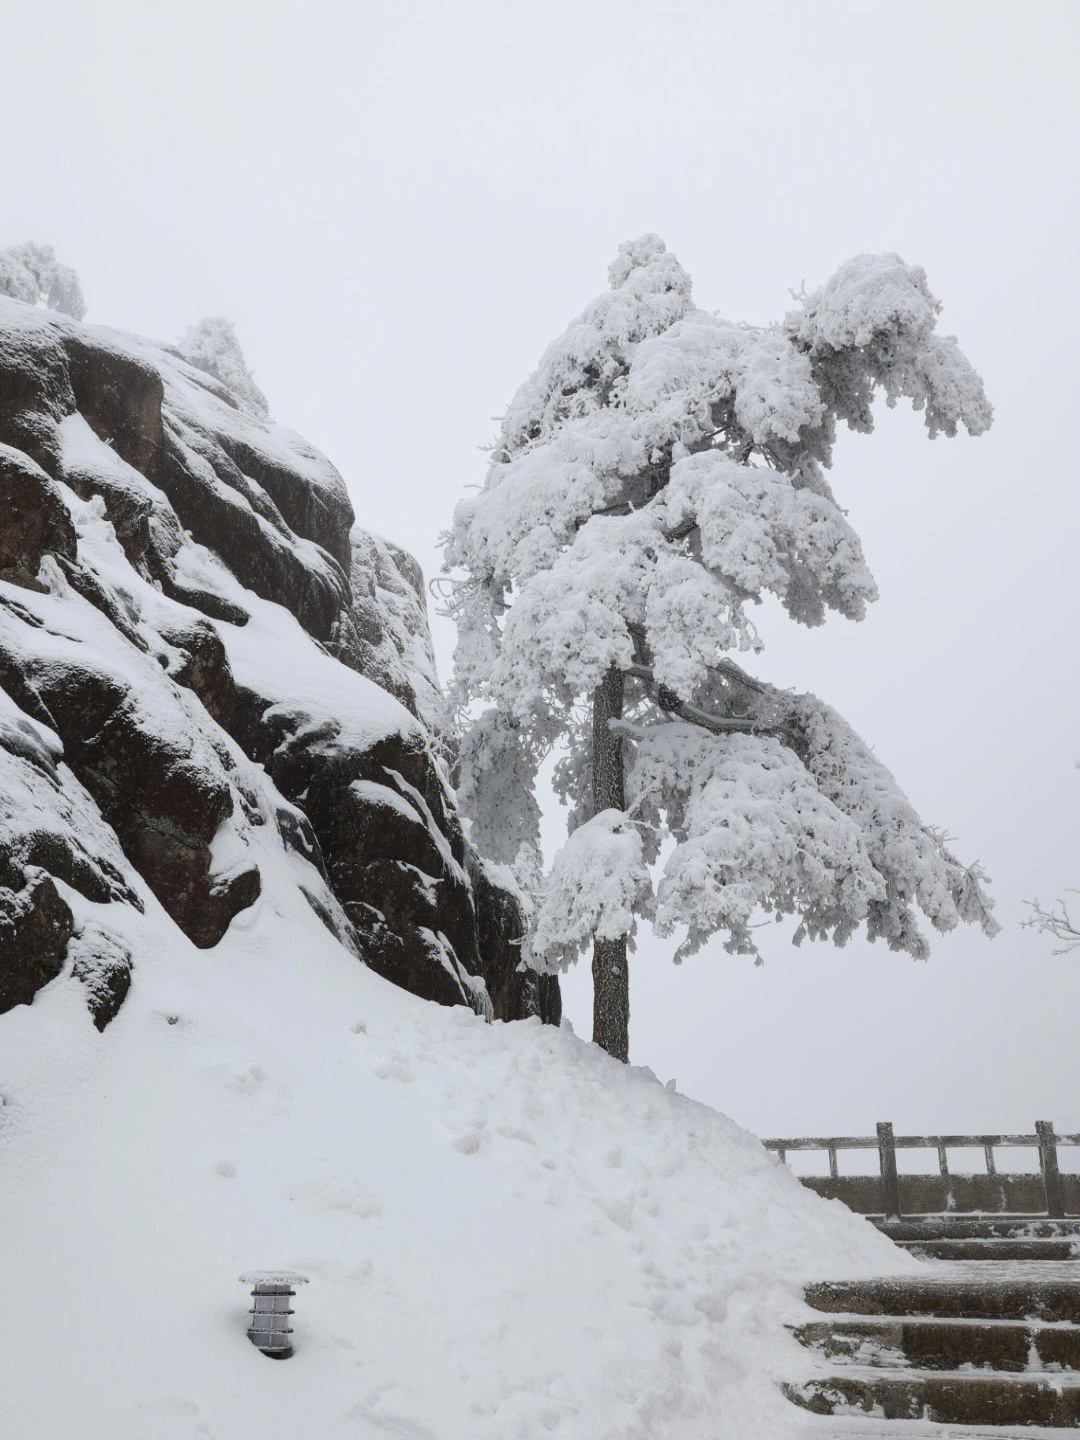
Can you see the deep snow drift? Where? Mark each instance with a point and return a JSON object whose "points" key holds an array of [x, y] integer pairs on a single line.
{"points": [[507, 1233]]}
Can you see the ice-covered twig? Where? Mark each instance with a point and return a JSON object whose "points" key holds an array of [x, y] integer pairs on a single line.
{"points": [[1057, 922]]}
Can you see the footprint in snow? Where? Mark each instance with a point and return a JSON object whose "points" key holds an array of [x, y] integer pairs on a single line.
{"points": [[337, 1195], [399, 1426], [394, 1067], [468, 1142], [515, 1132]]}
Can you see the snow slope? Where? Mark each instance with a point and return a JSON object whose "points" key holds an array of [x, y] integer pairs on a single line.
{"points": [[507, 1233]]}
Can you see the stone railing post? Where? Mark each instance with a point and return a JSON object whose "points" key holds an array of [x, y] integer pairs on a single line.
{"points": [[1048, 1164], [890, 1181]]}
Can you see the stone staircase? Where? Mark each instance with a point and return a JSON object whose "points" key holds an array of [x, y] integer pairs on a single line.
{"points": [[985, 1343]]}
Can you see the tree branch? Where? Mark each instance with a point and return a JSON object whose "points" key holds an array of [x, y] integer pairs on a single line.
{"points": [[1058, 923], [671, 704], [734, 672]]}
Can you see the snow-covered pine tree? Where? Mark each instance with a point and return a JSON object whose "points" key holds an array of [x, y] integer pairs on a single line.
{"points": [[212, 346], [659, 470]]}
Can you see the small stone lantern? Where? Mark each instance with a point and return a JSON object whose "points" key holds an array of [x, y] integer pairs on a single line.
{"points": [[271, 1292]]}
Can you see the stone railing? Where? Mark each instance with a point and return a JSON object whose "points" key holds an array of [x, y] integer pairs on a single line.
{"points": [[1047, 1192]]}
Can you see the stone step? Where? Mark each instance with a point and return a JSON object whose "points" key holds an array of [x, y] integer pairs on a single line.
{"points": [[978, 1227], [861, 1426], [994, 1248], [987, 1398], [933, 1344], [1000, 1296]]}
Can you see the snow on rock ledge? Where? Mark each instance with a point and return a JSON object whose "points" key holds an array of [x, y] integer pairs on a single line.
{"points": [[226, 668]]}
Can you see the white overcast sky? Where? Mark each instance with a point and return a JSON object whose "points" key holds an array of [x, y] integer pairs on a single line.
{"points": [[400, 204]]}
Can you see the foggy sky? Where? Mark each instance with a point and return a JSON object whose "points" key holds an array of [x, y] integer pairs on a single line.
{"points": [[400, 205]]}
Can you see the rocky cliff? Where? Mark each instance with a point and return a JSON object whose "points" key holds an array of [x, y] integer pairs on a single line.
{"points": [[202, 657]]}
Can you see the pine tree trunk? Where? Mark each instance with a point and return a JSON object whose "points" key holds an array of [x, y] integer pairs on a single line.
{"points": [[611, 978]]}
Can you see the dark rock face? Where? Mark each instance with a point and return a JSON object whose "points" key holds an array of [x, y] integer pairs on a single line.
{"points": [[103, 964], [35, 926], [50, 831], [146, 519], [515, 989], [202, 665], [387, 637], [423, 913], [49, 823], [157, 779], [33, 519]]}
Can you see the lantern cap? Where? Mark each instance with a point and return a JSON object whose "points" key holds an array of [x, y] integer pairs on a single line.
{"points": [[273, 1277]]}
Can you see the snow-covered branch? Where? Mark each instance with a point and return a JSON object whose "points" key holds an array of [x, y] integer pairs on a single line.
{"points": [[671, 704], [1057, 923], [598, 885]]}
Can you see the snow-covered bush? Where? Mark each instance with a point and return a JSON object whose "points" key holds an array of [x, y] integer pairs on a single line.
{"points": [[661, 470], [212, 346], [31, 273]]}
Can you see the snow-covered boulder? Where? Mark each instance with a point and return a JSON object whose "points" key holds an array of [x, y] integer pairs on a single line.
{"points": [[219, 662]]}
